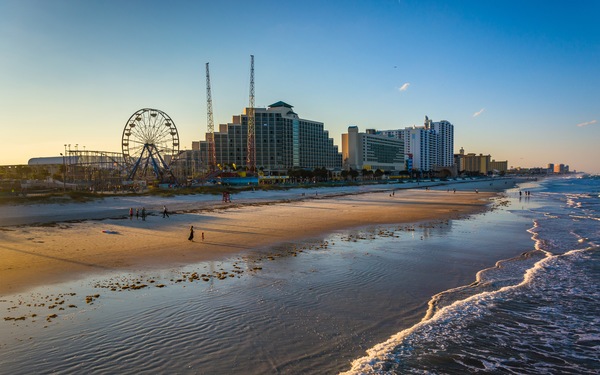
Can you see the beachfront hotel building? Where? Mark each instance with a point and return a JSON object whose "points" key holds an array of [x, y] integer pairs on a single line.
{"points": [[428, 147], [372, 151], [472, 163], [283, 141], [444, 134], [561, 168], [420, 145], [499, 166]]}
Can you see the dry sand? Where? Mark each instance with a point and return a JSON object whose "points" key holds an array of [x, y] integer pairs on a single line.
{"points": [[39, 255]]}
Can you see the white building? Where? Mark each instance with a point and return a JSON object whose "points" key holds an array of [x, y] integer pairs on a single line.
{"points": [[427, 147], [399, 133], [444, 131], [372, 151], [420, 145]]}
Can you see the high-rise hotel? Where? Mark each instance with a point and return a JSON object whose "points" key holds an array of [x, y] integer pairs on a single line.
{"points": [[283, 141], [425, 148], [372, 151]]}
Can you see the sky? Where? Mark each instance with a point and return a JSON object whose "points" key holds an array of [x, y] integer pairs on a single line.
{"points": [[518, 79]]}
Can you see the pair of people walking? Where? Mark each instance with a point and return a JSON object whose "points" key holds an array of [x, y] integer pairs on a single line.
{"points": [[191, 236]]}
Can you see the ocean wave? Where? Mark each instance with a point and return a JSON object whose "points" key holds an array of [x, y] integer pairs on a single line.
{"points": [[430, 339], [537, 313]]}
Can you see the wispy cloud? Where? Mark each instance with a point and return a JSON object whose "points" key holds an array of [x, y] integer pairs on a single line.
{"points": [[587, 123], [478, 112], [404, 87]]}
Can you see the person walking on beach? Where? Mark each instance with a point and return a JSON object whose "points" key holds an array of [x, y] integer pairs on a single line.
{"points": [[165, 212], [143, 213], [137, 213], [131, 213], [191, 237]]}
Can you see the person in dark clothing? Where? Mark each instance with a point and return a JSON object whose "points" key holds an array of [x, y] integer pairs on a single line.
{"points": [[191, 237]]}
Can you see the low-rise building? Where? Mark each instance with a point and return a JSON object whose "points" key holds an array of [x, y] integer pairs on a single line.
{"points": [[499, 166], [472, 163]]}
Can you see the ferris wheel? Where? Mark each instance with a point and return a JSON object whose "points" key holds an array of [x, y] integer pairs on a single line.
{"points": [[150, 144]]}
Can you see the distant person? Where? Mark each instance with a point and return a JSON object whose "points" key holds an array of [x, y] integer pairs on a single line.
{"points": [[165, 212], [191, 237], [144, 213], [131, 213], [202, 236], [137, 213]]}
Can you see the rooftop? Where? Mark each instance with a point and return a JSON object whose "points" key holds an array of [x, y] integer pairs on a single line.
{"points": [[281, 104]]}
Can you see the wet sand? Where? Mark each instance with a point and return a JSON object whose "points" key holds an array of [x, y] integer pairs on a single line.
{"points": [[57, 252], [302, 286]]}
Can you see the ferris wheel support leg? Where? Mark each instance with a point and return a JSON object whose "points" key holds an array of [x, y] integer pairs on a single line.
{"points": [[131, 174]]}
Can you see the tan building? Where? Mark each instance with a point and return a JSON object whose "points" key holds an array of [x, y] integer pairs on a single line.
{"points": [[561, 168], [499, 166], [473, 163]]}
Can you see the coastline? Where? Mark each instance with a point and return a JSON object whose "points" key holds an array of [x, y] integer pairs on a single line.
{"points": [[58, 252], [313, 305]]}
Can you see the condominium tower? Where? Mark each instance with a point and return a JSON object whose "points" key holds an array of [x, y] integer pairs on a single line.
{"points": [[427, 147]]}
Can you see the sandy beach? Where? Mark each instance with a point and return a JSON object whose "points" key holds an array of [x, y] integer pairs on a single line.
{"points": [[49, 253], [296, 281]]}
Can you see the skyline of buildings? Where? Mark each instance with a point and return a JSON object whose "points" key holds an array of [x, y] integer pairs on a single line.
{"points": [[542, 108], [424, 148], [285, 141]]}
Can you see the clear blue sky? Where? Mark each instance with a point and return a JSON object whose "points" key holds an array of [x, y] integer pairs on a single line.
{"points": [[518, 79]]}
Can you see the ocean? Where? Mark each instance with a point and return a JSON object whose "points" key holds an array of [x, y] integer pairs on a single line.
{"points": [[537, 313], [513, 290]]}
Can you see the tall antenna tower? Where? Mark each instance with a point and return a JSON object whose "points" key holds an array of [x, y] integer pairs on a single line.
{"points": [[210, 136], [251, 157]]}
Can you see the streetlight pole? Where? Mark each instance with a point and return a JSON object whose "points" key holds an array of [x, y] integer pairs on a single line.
{"points": [[65, 159], [64, 169]]}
